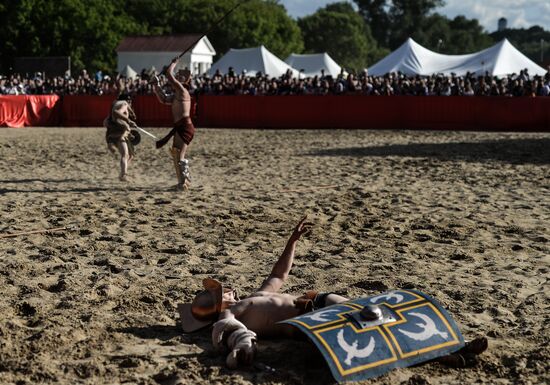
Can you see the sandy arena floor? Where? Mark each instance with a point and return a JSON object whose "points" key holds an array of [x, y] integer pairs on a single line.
{"points": [[464, 217]]}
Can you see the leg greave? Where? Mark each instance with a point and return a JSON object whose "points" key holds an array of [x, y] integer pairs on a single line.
{"points": [[184, 166]]}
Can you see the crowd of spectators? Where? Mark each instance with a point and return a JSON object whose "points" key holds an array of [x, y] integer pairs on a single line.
{"points": [[231, 83]]}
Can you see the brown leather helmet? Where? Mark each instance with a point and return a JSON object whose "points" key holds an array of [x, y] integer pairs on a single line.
{"points": [[204, 309]]}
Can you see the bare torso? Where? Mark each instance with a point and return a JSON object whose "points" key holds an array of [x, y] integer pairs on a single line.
{"points": [[181, 105], [120, 116], [261, 311]]}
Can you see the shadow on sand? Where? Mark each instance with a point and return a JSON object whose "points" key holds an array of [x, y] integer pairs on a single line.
{"points": [[515, 151], [160, 332], [42, 180], [38, 185], [71, 190], [271, 363]]}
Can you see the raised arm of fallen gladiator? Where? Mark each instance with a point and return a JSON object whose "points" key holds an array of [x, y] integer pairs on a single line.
{"points": [[281, 269]]}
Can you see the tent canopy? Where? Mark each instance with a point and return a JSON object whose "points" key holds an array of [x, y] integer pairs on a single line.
{"points": [[128, 72], [312, 64], [413, 59], [252, 61]]}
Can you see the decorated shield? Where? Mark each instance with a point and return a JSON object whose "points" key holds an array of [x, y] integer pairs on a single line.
{"points": [[367, 337]]}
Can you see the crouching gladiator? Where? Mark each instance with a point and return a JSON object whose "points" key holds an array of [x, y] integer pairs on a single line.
{"points": [[119, 135], [183, 130]]}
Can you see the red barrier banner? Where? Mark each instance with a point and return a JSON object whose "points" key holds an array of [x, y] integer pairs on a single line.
{"points": [[89, 110], [344, 111], [86, 110], [30, 110], [376, 112], [151, 113]]}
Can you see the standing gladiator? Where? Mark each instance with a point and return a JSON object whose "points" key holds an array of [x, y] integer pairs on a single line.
{"points": [[119, 135], [183, 130]]}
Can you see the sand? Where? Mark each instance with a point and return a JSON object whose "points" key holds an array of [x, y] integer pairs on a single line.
{"points": [[462, 216]]}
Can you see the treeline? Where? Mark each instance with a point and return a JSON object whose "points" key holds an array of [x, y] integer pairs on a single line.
{"points": [[89, 30]]}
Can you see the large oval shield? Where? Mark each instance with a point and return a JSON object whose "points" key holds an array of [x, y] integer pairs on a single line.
{"points": [[366, 337]]}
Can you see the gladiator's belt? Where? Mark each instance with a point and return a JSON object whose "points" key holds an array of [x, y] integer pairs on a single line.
{"points": [[305, 303], [179, 125]]}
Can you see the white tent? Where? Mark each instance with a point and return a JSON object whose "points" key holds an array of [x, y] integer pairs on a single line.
{"points": [[128, 72], [500, 60], [312, 64], [252, 60], [413, 59]]}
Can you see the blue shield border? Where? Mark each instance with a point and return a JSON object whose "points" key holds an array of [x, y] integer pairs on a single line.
{"points": [[399, 343]]}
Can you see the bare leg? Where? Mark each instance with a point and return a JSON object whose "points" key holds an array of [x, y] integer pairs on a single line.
{"points": [[124, 160], [112, 148], [179, 143], [175, 154], [332, 299]]}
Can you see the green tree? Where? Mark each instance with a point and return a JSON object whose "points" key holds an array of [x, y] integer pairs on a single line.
{"points": [[86, 31], [407, 19], [393, 22], [457, 36], [340, 31], [254, 23], [436, 34], [467, 35], [89, 31], [155, 17], [375, 14]]}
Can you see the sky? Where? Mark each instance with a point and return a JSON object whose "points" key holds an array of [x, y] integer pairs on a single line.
{"points": [[520, 13]]}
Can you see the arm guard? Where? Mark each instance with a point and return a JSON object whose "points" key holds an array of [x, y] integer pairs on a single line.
{"points": [[223, 326], [242, 344], [241, 341]]}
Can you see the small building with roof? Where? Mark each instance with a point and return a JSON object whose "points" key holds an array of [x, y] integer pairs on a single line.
{"points": [[148, 52]]}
